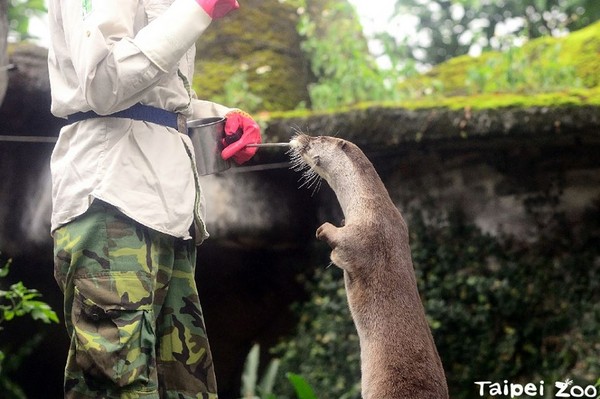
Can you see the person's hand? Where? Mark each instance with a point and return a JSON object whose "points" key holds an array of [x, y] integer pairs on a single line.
{"points": [[240, 130], [218, 8]]}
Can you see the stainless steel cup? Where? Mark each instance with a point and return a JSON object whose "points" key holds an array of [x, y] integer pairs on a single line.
{"points": [[206, 135]]}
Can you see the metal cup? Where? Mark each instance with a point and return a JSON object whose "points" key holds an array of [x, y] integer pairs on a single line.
{"points": [[206, 135]]}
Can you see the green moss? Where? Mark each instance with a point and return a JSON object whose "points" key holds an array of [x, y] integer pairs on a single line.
{"points": [[259, 52], [210, 78], [584, 50], [574, 97], [501, 100], [542, 65]]}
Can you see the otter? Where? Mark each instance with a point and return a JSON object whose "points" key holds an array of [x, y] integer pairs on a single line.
{"points": [[398, 355]]}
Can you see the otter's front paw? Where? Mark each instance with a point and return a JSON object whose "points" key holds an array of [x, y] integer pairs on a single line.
{"points": [[327, 232]]}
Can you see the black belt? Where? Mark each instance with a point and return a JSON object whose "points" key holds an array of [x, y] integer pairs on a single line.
{"points": [[139, 112]]}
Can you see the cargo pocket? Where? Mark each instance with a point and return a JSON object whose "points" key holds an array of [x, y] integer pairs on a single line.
{"points": [[113, 323]]}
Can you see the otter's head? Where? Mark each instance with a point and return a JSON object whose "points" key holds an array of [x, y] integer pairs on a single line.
{"points": [[320, 156]]}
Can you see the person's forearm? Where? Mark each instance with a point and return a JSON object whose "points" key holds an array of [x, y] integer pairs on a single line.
{"points": [[166, 39]]}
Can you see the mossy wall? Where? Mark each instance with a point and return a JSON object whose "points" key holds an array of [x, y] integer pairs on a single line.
{"points": [[257, 46]]}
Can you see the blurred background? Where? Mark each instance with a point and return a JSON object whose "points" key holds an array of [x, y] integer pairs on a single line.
{"points": [[483, 120]]}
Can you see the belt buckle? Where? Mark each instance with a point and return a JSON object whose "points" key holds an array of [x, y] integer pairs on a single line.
{"points": [[182, 123]]}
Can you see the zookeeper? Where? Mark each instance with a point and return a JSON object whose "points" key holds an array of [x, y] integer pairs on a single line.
{"points": [[127, 208]]}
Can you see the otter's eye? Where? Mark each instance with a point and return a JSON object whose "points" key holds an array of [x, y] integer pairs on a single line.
{"points": [[316, 160]]}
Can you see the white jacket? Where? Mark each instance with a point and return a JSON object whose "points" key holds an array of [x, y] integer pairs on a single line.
{"points": [[105, 56]]}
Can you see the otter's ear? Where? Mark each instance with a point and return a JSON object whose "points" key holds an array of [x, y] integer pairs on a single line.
{"points": [[317, 160], [342, 144]]}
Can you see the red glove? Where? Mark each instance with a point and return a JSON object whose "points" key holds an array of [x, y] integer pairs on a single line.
{"points": [[240, 130], [218, 8]]}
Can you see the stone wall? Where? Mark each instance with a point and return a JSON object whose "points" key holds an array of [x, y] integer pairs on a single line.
{"points": [[504, 188], [500, 166]]}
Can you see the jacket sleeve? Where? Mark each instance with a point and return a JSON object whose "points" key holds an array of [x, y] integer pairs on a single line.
{"points": [[114, 64], [205, 109]]}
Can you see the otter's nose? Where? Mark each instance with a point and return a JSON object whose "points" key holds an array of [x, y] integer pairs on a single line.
{"points": [[299, 141]]}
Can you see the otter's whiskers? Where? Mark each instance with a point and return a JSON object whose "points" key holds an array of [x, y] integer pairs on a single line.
{"points": [[309, 178]]}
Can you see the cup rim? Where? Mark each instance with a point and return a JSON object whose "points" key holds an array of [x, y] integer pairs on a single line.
{"points": [[205, 122]]}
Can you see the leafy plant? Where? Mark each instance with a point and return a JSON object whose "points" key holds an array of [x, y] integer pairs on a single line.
{"points": [[302, 388], [20, 13], [237, 91], [20, 301], [15, 302], [339, 57], [325, 348], [251, 389], [450, 28]]}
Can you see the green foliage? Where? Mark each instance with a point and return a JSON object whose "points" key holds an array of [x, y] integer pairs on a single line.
{"points": [[453, 27], [498, 308], [251, 388], [302, 388], [236, 90], [541, 66], [9, 388], [345, 72], [325, 348], [19, 14], [19, 301]]}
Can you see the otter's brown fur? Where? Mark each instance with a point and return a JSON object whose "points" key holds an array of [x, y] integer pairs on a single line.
{"points": [[398, 355]]}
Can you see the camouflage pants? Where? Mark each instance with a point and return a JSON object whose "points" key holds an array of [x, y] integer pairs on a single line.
{"points": [[132, 311]]}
